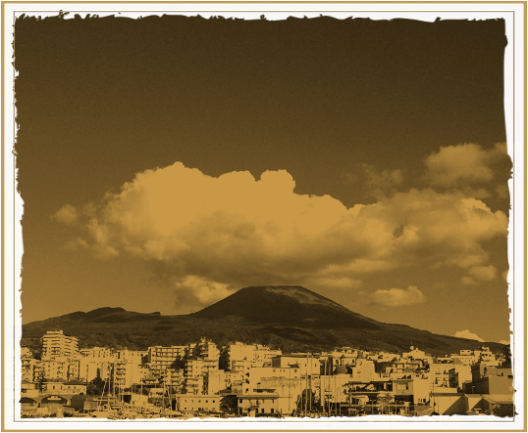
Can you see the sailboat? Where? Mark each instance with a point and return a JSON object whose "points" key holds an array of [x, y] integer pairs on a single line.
{"points": [[307, 421]]}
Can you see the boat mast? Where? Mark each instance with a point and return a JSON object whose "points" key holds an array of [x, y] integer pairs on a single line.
{"points": [[306, 388], [310, 403], [322, 384]]}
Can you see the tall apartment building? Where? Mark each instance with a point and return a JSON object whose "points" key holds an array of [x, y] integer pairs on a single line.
{"points": [[164, 357], [195, 370], [55, 343], [207, 350]]}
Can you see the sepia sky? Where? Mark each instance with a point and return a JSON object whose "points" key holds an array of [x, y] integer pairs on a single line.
{"points": [[165, 163]]}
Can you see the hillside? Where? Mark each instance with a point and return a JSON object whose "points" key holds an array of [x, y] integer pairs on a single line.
{"points": [[292, 318]]}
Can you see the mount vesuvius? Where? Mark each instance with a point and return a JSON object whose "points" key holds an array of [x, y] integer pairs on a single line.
{"points": [[291, 318]]}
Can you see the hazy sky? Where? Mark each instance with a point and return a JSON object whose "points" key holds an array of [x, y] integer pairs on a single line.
{"points": [[165, 163]]}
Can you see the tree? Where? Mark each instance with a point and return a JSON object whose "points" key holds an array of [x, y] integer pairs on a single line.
{"points": [[41, 383], [96, 386]]}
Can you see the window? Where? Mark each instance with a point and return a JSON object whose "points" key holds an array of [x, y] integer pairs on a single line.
{"points": [[262, 411], [207, 401], [272, 410]]}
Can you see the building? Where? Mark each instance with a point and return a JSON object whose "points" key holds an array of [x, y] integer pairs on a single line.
{"points": [[306, 363], [220, 380], [207, 350], [55, 343], [414, 353], [489, 380], [194, 372], [413, 390], [286, 381], [133, 356], [72, 387], [127, 373], [99, 353], [459, 374], [165, 357], [255, 354], [265, 403], [31, 370], [201, 403]]}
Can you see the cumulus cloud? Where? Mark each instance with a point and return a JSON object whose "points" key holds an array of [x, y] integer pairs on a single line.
{"points": [[509, 149], [234, 230], [455, 163], [382, 182], [373, 182], [483, 273], [66, 215], [192, 293], [397, 297], [468, 281], [511, 277], [466, 333], [461, 165]]}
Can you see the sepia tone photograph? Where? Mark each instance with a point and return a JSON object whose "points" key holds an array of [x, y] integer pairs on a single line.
{"points": [[260, 218]]}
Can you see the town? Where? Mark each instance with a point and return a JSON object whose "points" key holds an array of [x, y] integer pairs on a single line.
{"points": [[253, 380]]}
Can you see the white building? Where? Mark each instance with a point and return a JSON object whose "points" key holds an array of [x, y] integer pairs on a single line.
{"points": [[55, 343]]}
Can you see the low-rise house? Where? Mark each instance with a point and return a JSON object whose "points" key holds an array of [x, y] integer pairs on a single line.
{"points": [[197, 403], [265, 403], [489, 380]]}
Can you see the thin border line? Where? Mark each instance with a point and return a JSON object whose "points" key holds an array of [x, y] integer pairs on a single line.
{"points": [[297, 11], [14, 243], [286, 3], [512, 218], [222, 3]]}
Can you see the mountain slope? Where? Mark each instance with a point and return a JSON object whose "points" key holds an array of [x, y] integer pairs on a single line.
{"points": [[288, 317], [288, 305]]}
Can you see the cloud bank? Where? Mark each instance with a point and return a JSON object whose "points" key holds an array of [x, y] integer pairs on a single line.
{"points": [[466, 333], [470, 168], [217, 234], [397, 297]]}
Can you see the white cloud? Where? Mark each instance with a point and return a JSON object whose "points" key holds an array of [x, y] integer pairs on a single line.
{"points": [[483, 273], [454, 166], [454, 163], [509, 149], [397, 297], [236, 231], [469, 335], [66, 215], [468, 281], [193, 292], [511, 277], [380, 183]]}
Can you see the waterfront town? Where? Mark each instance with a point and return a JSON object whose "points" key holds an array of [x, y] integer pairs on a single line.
{"points": [[253, 380]]}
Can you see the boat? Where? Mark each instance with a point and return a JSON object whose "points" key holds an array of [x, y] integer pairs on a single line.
{"points": [[475, 413]]}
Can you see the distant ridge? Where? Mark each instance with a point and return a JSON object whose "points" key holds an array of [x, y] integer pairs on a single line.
{"points": [[291, 318]]}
